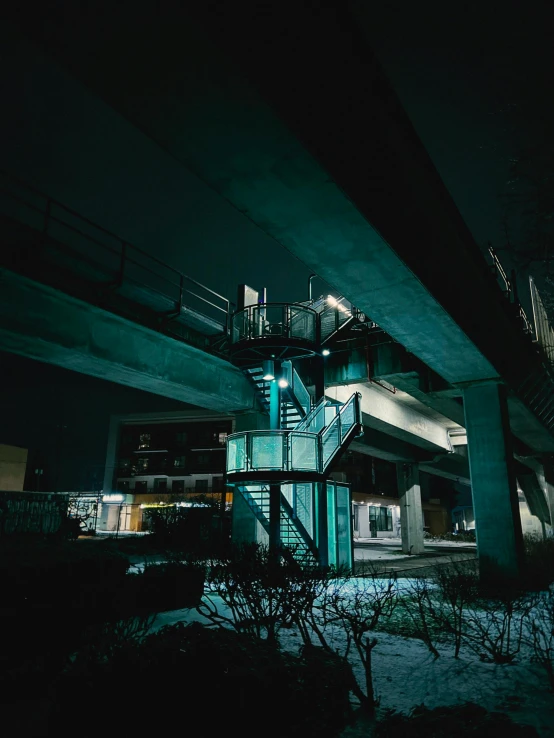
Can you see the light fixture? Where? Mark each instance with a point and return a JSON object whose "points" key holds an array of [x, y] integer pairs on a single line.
{"points": [[332, 300], [283, 383], [268, 370], [325, 352]]}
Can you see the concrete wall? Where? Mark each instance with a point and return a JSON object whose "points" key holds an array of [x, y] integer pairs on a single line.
{"points": [[13, 465]]}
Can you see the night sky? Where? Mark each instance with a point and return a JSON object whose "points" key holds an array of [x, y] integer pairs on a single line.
{"points": [[475, 79]]}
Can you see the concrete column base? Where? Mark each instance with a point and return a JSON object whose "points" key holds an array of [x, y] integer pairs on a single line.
{"points": [[411, 513]]}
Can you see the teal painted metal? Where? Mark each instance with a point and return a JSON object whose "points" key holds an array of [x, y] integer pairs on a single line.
{"points": [[280, 472], [295, 450]]}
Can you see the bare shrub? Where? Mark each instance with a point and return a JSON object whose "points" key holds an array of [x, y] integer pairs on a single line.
{"points": [[493, 625], [358, 605], [264, 591], [422, 611], [539, 633], [458, 584]]}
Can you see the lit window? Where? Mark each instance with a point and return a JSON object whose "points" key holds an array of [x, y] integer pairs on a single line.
{"points": [[179, 461], [222, 438], [144, 440], [382, 517]]}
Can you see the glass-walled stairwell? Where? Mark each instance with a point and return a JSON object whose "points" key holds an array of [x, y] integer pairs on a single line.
{"points": [[290, 464], [300, 520], [296, 450]]}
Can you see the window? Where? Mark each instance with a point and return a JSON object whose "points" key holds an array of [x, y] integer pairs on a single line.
{"points": [[123, 486], [203, 459], [201, 485], [179, 461], [222, 438], [160, 484], [181, 438], [217, 484], [142, 464], [178, 486], [382, 517], [141, 487], [144, 440]]}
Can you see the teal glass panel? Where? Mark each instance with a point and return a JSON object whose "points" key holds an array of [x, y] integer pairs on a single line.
{"points": [[302, 323], [301, 393], [303, 452], [267, 451], [331, 525], [330, 441], [304, 507], [316, 420], [236, 454], [288, 493], [330, 413], [348, 416], [344, 528]]}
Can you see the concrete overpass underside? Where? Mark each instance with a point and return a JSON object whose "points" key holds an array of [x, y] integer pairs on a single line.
{"points": [[288, 116]]}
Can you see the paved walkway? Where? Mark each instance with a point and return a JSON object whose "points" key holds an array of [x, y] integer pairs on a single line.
{"points": [[386, 553]]}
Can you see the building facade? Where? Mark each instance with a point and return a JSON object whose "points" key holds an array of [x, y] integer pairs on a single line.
{"points": [[160, 459]]}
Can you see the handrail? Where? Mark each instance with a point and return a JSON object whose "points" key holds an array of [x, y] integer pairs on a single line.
{"points": [[287, 455], [317, 457], [510, 291], [300, 391], [274, 319], [263, 305], [305, 422], [121, 248]]}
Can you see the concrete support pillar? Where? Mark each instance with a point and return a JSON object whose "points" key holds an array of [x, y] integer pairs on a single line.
{"points": [[111, 455], [547, 482], [411, 513], [493, 482]]}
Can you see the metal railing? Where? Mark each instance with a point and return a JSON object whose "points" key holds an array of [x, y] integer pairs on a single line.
{"points": [[509, 288], [297, 387], [315, 420], [277, 450], [292, 450], [275, 320], [105, 258]]}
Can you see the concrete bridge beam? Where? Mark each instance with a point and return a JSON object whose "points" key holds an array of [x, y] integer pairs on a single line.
{"points": [[41, 323], [383, 413]]}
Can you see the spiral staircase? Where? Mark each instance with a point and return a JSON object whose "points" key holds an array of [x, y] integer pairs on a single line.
{"points": [[282, 474]]}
